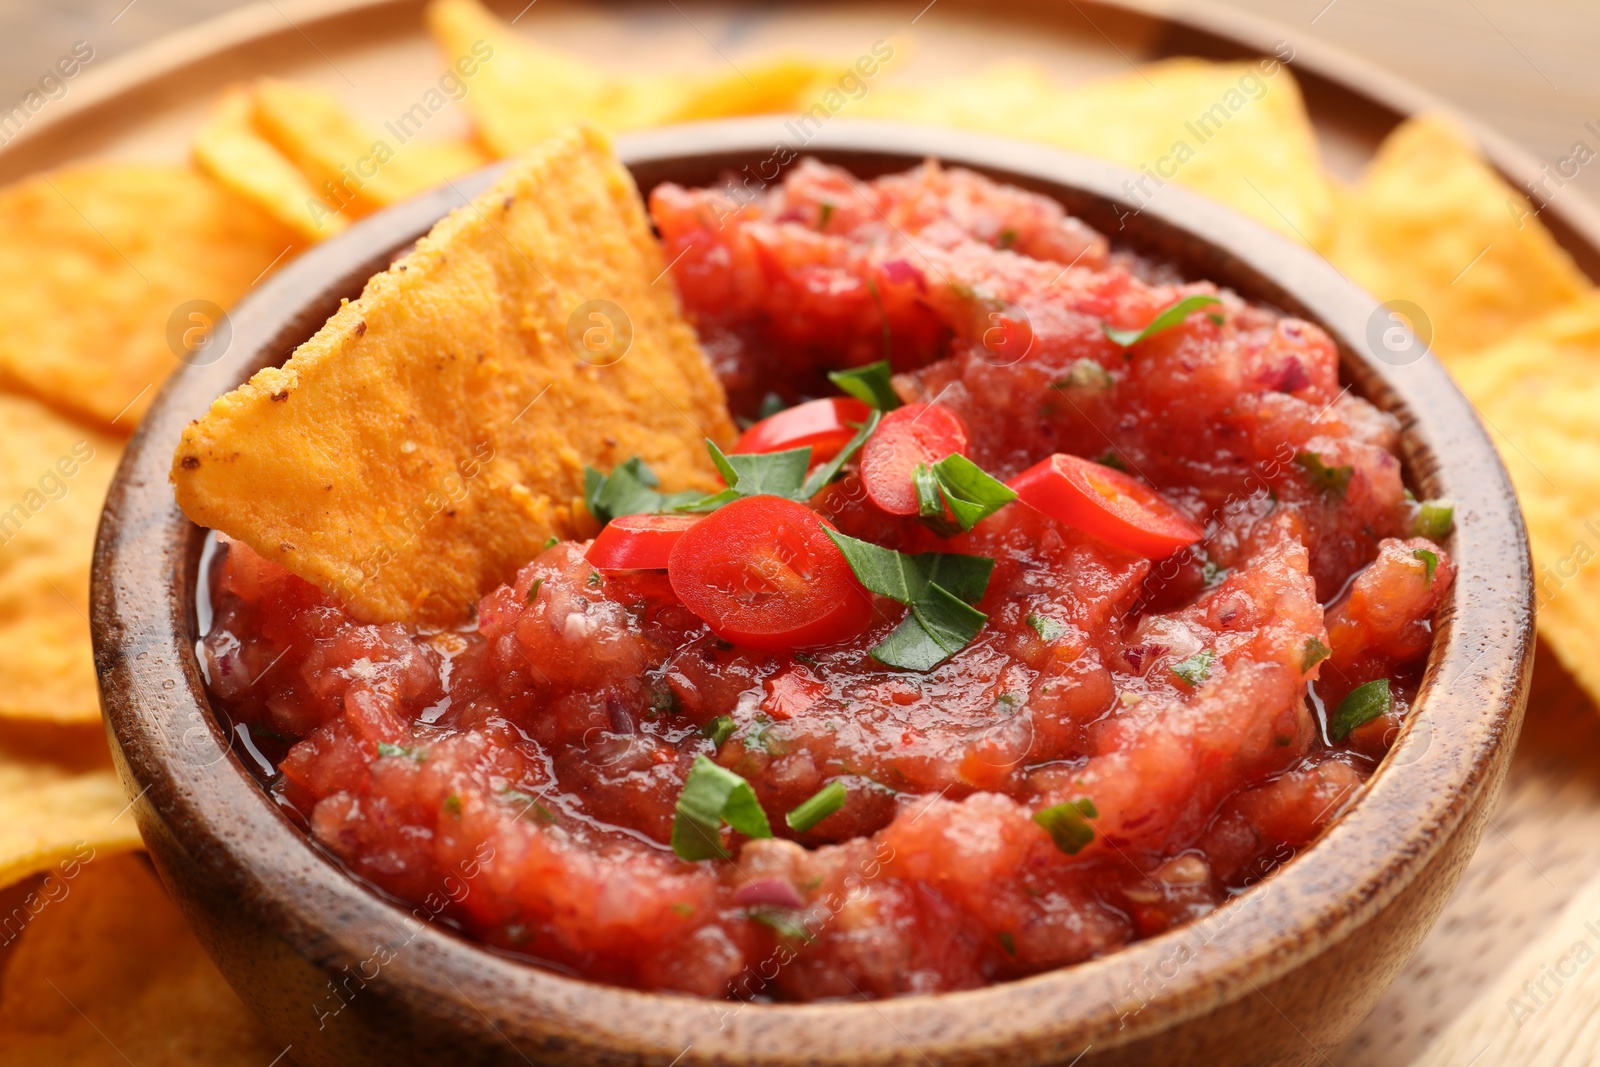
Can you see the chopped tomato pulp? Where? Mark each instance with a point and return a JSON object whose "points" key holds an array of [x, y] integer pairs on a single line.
{"points": [[1130, 737]]}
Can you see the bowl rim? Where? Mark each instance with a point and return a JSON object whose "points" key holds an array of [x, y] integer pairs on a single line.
{"points": [[188, 786]]}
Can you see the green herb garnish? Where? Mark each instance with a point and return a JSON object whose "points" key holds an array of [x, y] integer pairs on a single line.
{"points": [[711, 796], [1046, 627], [533, 589], [824, 213], [970, 493], [1167, 318], [386, 749], [1330, 481], [1435, 519], [1084, 374], [1365, 703], [452, 804], [939, 587], [823, 803], [784, 926], [870, 384], [630, 489], [1007, 942], [719, 729], [551, 542], [1067, 824], [1430, 563], [1114, 461], [780, 474], [1196, 668], [1008, 237], [1312, 654]]}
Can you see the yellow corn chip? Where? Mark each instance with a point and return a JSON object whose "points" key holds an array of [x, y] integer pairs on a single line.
{"points": [[109, 974], [526, 93], [433, 434], [1432, 224], [229, 148], [102, 271], [53, 479], [1236, 132], [1538, 391], [356, 168], [60, 804]]}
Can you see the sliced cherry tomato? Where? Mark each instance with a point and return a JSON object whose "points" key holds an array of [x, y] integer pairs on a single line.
{"points": [[639, 542], [761, 572], [1110, 505], [826, 425], [907, 437]]}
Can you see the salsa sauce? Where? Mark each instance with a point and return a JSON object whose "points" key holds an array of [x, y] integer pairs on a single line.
{"points": [[1125, 743]]}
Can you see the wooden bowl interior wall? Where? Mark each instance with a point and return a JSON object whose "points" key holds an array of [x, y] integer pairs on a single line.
{"points": [[1316, 943]]}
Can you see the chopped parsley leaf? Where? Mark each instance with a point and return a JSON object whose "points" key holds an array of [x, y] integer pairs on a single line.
{"points": [[1084, 374], [1046, 627], [386, 749], [1196, 668], [870, 384], [711, 796], [533, 589], [824, 213], [719, 729], [785, 926], [1365, 703], [1166, 319], [1312, 654], [1068, 824], [1430, 563]]}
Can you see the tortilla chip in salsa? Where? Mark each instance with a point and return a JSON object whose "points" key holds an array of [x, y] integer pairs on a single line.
{"points": [[433, 434]]}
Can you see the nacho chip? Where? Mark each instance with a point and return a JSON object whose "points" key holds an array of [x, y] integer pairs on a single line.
{"points": [[101, 272], [353, 166], [527, 93], [430, 438], [1538, 391], [110, 974], [53, 479], [60, 802], [229, 148], [1431, 223], [1236, 132]]}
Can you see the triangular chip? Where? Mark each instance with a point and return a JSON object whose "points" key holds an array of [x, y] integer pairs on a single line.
{"points": [[108, 973], [103, 271], [1430, 223], [230, 149], [60, 801], [525, 93], [353, 166], [1538, 391], [1236, 132], [53, 479], [430, 438]]}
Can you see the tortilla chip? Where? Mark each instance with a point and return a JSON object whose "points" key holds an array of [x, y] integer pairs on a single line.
{"points": [[60, 803], [53, 479], [430, 438], [99, 272], [1538, 391], [526, 93], [353, 166], [1431, 223], [109, 974], [229, 148], [1230, 131]]}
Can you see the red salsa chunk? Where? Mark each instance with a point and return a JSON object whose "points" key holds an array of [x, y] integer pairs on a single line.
{"points": [[1104, 605]]}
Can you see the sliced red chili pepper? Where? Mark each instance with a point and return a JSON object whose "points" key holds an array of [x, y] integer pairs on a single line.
{"points": [[1115, 507], [906, 438], [826, 425], [638, 542], [761, 572]]}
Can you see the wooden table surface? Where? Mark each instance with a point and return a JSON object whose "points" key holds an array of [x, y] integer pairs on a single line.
{"points": [[1525, 67]]}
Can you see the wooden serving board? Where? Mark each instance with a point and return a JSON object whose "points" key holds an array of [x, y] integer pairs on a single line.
{"points": [[1543, 842]]}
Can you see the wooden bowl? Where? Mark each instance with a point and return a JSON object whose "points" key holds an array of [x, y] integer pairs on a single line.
{"points": [[1278, 974]]}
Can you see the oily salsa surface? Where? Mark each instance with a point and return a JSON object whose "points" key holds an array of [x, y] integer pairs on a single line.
{"points": [[1104, 606]]}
